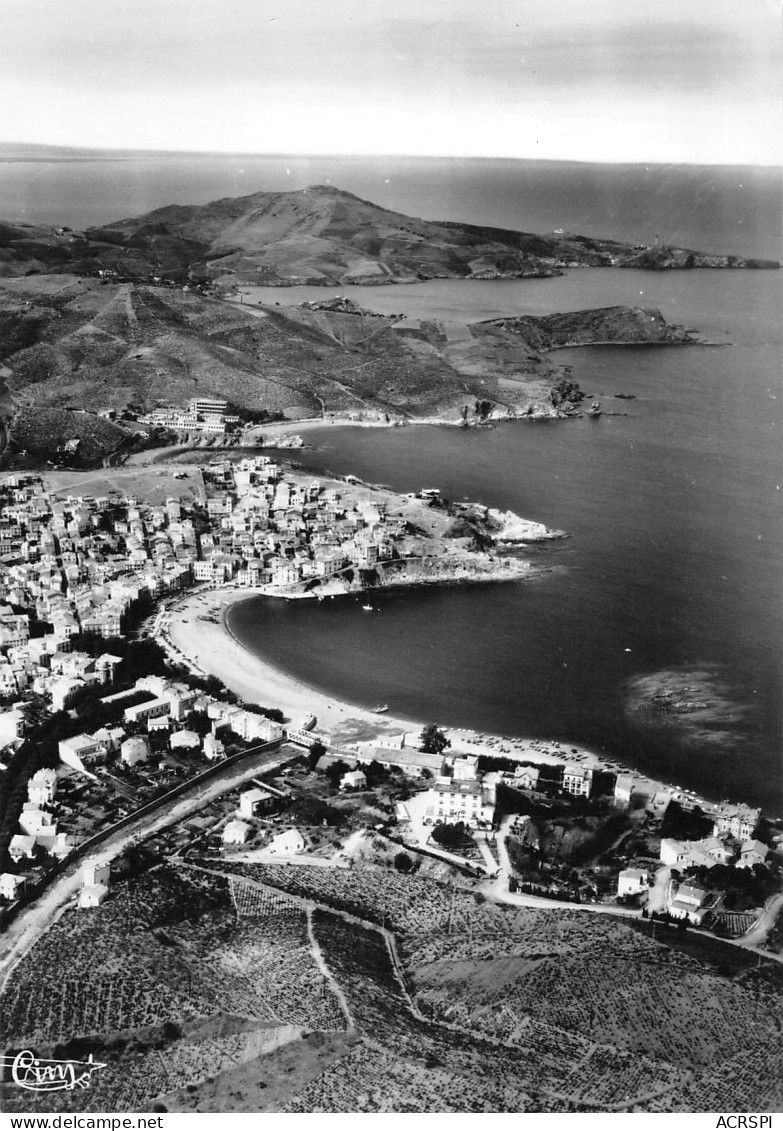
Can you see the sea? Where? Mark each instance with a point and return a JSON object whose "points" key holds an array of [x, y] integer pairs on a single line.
{"points": [[652, 630]]}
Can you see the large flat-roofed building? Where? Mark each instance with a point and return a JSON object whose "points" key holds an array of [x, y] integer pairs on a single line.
{"points": [[207, 404]]}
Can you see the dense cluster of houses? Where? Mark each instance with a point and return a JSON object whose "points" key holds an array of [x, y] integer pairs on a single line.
{"points": [[272, 530], [167, 709], [74, 566], [77, 565], [731, 844]]}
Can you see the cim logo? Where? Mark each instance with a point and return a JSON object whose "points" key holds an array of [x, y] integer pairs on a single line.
{"points": [[40, 1075]]}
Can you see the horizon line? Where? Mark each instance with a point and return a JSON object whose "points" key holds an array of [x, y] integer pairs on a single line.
{"points": [[390, 156]]}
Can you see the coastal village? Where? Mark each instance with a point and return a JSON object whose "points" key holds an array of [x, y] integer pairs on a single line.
{"points": [[88, 586]]}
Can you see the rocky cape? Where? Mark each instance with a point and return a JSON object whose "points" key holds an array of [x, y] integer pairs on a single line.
{"points": [[72, 348]]}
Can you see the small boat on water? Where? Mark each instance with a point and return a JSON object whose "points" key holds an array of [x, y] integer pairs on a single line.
{"points": [[367, 608], [381, 709]]}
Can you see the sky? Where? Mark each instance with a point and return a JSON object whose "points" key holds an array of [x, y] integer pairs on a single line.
{"points": [[695, 81]]}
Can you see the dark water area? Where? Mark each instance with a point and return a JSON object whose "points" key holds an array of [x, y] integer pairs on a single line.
{"points": [[732, 210], [672, 564]]}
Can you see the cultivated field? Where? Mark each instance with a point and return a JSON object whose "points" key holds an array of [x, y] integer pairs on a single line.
{"points": [[193, 983], [138, 979]]}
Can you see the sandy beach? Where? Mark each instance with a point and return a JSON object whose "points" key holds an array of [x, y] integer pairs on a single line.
{"points": [[194, 628]]}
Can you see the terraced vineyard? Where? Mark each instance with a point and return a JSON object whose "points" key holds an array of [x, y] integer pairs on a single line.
{"points": [[603, 1015], [165, 956]]}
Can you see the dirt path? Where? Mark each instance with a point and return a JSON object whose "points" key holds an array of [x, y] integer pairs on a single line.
{"points": [[322, 965]]}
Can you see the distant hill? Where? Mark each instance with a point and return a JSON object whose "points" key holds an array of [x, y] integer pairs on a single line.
{"points": [[321, 235], [326, 235]]}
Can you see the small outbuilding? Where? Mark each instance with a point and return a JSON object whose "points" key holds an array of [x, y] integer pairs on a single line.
{"points": [[354, 779], [288, 843], [10, 886], [97, 873], [632, 881], [185, 740], [93, 896]]}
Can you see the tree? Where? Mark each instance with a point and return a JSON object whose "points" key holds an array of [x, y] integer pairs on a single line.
{"points": [[432, 740], [403, 862], [315, 753], [450, 836], [335, 772], [374, 772]]}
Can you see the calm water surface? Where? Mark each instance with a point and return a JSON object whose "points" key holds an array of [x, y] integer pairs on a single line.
{"points": [[673, 557]]}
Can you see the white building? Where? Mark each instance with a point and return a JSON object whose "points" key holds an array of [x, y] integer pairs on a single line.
{"points": [[236, 832], [578, 781], [185, 740], [685, 854], [455, 801], [21, 847], [632, 881], [287, 843], [688, 903], [214, 749], [10, 886], [93, 896], [76, 752], [414, 763], [42, 787], [739, 820], [134, 750], [526, 777], [150, 709], [253, 801], [99, 873], [11, 725], [33, 821], [466, 769], [354, 779], [752, 852], [623, 791]]}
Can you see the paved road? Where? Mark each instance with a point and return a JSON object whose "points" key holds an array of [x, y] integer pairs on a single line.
{"points": [[760, 929], [30, 923]]}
